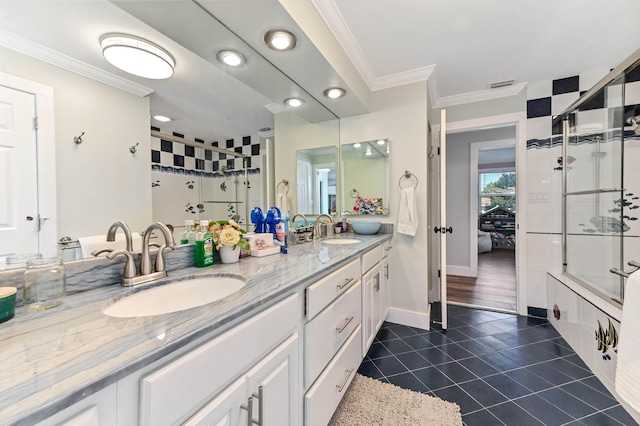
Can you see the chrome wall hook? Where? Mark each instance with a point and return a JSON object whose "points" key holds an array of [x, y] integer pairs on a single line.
{"points": [[133, 148], [78, 139]]}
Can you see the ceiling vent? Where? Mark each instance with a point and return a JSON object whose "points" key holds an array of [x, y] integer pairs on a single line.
{"points": [[502, 84]]}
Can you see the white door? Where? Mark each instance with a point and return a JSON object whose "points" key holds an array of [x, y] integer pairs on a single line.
{"points": [[303, 187], [441, 228], [19, 220]]}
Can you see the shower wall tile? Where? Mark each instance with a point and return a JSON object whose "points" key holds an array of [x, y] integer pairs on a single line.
{"points": [[589, 79], [566, 85], [539, 89], [632, 93], [536, 289], [560, 102]]}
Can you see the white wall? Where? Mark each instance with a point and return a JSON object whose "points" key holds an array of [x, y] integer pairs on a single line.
{"points": [[98, 181], [400, 114]]}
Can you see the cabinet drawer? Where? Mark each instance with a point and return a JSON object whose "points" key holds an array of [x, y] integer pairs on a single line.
{"points": [[324, 291], [176, 390], [370, 258], [325, 394], [326, 333]]}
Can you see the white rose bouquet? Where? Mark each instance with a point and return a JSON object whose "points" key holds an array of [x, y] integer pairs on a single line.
{"points": [[228, 233]]}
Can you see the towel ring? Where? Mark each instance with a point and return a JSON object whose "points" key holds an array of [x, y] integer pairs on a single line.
{"points": [[354, 193], [408, 175], [285, 183]]}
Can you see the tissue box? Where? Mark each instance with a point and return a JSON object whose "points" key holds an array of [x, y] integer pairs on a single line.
{"points": [[262, 244]]}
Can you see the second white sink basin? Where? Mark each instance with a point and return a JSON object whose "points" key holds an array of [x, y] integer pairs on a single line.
{"points": [[175, 297], [341, 241]]}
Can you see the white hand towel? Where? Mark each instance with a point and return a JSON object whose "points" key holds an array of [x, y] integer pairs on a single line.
{"points": [[628, 368], [407, 213], [282, 203], [96, 242]]}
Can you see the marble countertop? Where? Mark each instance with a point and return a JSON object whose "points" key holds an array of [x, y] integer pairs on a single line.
{"points": [[53, 359]]}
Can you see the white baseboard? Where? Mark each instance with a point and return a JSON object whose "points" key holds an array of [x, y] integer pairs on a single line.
{"points": [[410, 318], [461, 271]]}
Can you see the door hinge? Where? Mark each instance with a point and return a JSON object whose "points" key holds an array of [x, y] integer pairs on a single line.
{"points": [[438, 150], [35, 123], [438, 273]]}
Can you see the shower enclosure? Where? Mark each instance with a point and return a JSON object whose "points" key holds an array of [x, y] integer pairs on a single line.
{"points": [[601, 175]]}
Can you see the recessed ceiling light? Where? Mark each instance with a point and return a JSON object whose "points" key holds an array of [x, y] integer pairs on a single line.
{"points": [[357, 145], [137, 56], [280, 40], [334, 92], [381, 142], [162, 118], [368, 151], [231, 58], [294, 102]]}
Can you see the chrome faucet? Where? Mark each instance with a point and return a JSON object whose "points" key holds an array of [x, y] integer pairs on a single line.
{"points": [[320, 226], [111, 234], [130, 277], [145, 258], [293, 220]]}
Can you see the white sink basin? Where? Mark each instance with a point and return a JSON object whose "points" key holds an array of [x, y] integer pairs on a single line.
{"points": [[176, 296], [341, 241]]}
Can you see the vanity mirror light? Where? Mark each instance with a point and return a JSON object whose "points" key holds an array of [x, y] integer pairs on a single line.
{"points": [[365, 177]]}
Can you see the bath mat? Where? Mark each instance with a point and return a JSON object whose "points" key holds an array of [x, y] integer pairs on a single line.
{"points": [[371, 402]]}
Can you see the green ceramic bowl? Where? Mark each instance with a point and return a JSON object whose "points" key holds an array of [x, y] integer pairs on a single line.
{"points": [[7, 303]]}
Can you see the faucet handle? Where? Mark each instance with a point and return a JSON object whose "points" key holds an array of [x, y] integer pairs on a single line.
{"points": [[129, 266], [160, 264]]}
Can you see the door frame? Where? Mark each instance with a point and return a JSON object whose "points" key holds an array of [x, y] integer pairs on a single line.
{"points": [[518, 119], [46, 154]]}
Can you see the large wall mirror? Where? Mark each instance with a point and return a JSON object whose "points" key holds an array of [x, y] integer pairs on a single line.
{"points": [[102, 180], [316, 180], [365, 172]]}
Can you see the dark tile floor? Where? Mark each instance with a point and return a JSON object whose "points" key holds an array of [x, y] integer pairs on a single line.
{"points": [[499, 368]]}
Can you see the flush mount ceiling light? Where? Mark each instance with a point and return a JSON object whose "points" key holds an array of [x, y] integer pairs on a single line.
{"points": [[357, 145], [280, 40], [334, 93], [293, 102], [231, 58], [162, 118], [368, 151], [137, 56], [381, 142]]}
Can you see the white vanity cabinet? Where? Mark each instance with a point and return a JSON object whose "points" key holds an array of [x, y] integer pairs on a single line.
{"points": [[386, 281], [209, 384], [375, 294], [332, 341], [98, 409]]}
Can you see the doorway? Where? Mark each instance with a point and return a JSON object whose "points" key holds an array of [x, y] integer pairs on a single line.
{"points": [[481, 208]]}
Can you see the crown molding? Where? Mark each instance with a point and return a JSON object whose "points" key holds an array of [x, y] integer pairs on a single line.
{"points": [[68, 63], [401, 78], [479, 96]]}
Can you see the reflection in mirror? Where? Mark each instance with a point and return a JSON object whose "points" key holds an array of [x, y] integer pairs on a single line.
{"points": [[316, 180], [365, 174], [101, 181]]}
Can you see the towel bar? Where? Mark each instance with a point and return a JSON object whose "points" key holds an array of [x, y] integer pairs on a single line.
{"points": [[635, 265]]}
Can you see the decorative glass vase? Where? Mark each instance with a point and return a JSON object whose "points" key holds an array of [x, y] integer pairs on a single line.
{"points": [[229, 254]]}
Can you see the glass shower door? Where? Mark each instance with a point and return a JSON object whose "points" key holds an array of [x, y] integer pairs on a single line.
{"points": [[594, 192]]}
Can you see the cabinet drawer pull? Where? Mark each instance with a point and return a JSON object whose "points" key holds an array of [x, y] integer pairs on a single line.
{"points": [[346, 323], [386, 271], [249, 409], [344, 382], [346, 282], [377, 284]]}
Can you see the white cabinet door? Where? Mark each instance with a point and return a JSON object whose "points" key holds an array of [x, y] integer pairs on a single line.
{"points": [[371, 300], [377, 299], [98, 409], [385, 297], [273, 383], [225, 409]]}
